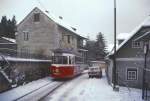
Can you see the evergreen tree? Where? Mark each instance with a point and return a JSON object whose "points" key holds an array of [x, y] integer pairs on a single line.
{"points": [[1, 30], [8, 27], [96, 49], [100, 46], [3, 25], [13, 27], [90, 46]]}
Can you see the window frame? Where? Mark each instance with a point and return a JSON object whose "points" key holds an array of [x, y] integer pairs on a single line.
{"points": [[59, 60], [25, 35], [63, 37], [69, 39], [130, 77], [135, 45], [36, 17], [149, 44], [25, 51]]}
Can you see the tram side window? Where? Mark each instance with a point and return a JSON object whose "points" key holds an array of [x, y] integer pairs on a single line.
{"points": [[59, 59], [56, 60], [69, 60], [64, 60], [73, 60]]}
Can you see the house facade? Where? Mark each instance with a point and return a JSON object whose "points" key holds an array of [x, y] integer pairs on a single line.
{"points": [[130, 58], [40, 33]]}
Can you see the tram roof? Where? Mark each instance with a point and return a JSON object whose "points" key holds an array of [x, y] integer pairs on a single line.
{"points": [[66, 51]]}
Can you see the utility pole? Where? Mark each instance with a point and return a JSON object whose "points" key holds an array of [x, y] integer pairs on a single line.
{"points": [[144, 69], [114, 62]]}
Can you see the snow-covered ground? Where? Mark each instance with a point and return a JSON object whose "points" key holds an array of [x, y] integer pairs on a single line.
{"points": [[130, 94], [23, 90], [80, 88], [84, 89]]}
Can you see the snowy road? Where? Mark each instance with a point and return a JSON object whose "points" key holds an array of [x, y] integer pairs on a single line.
{"points": [[84, 89]]}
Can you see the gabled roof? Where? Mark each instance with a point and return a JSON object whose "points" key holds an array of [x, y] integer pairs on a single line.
{"points": [[58, 21], [16, 59], [9, 39], [66, 51], [123, 36], [145, 23], [144, 35], [5, 40]]}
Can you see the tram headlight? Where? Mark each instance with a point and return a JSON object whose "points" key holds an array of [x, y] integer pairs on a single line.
{"points": [[56, 70]]}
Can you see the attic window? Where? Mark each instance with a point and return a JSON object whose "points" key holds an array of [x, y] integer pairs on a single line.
{"points": [[68, 38], [136, 44], [36, 17]]}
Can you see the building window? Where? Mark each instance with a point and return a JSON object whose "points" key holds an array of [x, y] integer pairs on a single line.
{"points": [[26, 35], [25, 52], [63, 37], [132, 74], [36, 17], [68, 38], [149, 44], [136, 44]]}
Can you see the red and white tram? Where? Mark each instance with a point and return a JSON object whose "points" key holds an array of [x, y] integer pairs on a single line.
{"points": [[66, 65]]}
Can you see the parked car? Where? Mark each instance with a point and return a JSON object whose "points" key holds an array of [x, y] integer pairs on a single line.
{"points": [[95, 71]]}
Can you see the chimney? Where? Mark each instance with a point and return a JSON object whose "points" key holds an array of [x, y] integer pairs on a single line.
{"points": [[74, 28], [47, 11], [60, 17]]}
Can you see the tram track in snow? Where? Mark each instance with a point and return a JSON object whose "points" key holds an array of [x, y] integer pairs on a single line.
{"points": [[36, 93], [41, 92], [45, 90], [78, 78], [57, 87], [32, 91]]}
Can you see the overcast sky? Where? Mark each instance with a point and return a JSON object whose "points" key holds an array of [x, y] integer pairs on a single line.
{"points": [[88, 16]]}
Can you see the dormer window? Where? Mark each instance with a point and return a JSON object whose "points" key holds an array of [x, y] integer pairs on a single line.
{"points": [[136, 44], [36, 17]]}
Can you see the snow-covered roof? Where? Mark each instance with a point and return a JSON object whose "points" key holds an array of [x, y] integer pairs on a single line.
{"points": [[144, 35], [123, 36], [110, 47], [60, 22], [9, 39], [97, 61], [146, 22], [24, 59]]}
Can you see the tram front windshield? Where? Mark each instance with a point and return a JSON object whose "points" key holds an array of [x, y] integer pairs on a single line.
{"points": [[59, 59]]}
